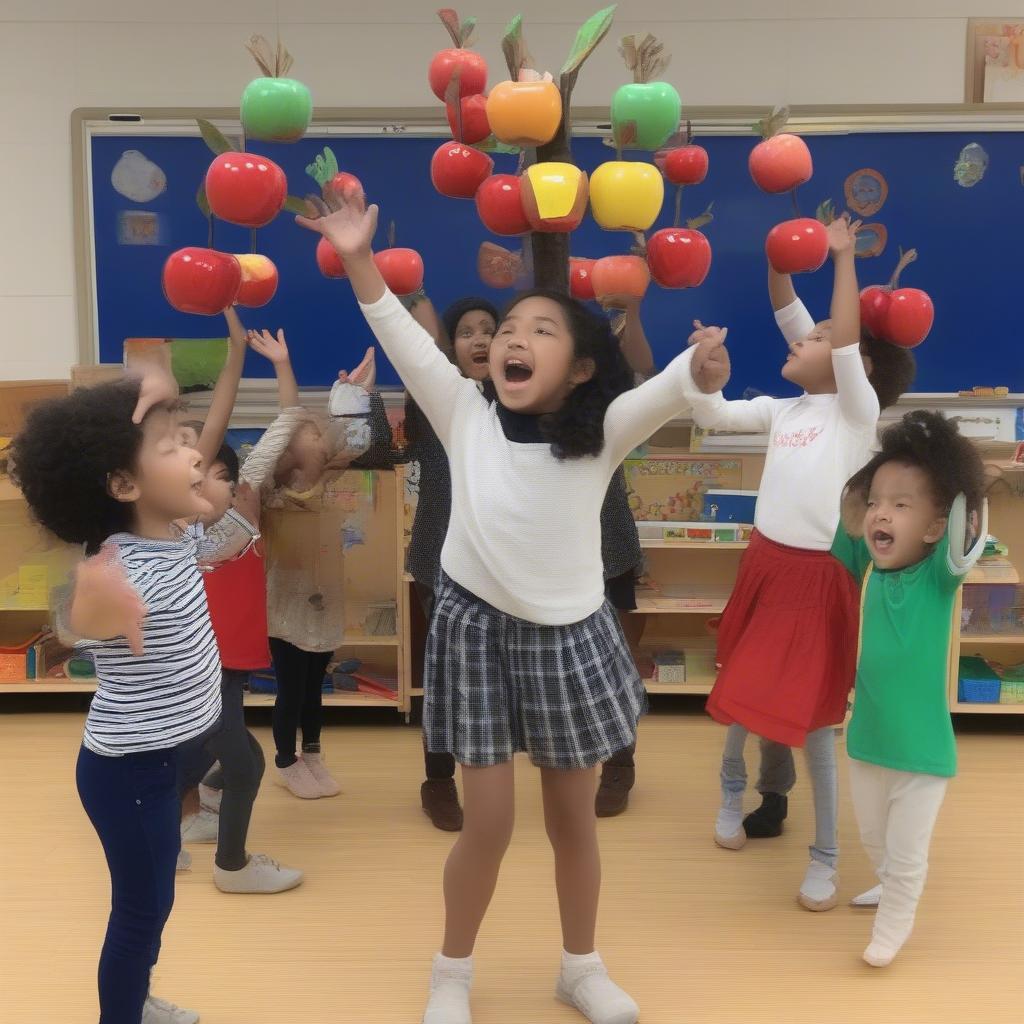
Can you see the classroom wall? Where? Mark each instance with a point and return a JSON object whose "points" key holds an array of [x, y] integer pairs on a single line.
{"points": [[56, 55]]}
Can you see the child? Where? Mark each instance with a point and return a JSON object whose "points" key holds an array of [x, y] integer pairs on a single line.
{"points": [[906, 538], [103, 468], [293, 467], [787, 641], [524, 653]]}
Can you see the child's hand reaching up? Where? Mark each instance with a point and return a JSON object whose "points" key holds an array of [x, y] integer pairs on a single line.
{"points": [[365, 374], [842, 235], [104, 604], [710, 368], [345, 221], [274, 349]]}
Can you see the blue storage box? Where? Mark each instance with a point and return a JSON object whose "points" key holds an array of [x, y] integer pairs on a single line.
{"points": [[978, 683], [721, 506]]}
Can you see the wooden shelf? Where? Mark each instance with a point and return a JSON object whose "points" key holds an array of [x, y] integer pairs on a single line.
{"points": [[694, 545], [369, 640], [330, 700], [701, 686], [993, 639], [987, 709], [679, 606], [49, 686]]}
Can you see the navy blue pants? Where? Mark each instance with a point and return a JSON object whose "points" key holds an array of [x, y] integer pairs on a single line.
{"points": [[132, 802]]}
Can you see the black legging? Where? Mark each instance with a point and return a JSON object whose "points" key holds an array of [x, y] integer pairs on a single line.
{"points": [[241, 770], [300, 680], [438, 767]]}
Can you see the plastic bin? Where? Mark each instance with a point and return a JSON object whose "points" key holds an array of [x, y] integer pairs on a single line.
{"points": [[978, 683]]}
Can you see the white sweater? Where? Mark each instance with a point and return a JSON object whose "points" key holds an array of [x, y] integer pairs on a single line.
{"points": [[525, 529], [816, 443]]}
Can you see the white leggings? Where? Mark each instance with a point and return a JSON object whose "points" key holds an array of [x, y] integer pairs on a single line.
{"points": [[896, 812]]}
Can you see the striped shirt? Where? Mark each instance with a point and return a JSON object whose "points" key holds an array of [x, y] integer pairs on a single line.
{"points": [[171, 693]]}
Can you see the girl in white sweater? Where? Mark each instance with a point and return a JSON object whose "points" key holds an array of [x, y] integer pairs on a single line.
{"points": [[525, 653]]}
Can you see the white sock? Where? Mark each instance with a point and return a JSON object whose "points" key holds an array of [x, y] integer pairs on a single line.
{"points": [[878, 955], [819, 882], [450, 981], [728, 822], [585, 984]]}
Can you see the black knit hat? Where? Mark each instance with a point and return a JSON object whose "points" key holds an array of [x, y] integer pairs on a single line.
{"points": [[457, 310]]}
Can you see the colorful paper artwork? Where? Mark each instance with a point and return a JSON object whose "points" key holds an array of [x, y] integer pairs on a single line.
{"points": [[664, 488], [866, 192], [139, 227], [137, 178], [970, 166]]}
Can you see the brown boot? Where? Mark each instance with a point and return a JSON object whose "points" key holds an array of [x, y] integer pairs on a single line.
{"points": [[613, 793], [440, 801]]}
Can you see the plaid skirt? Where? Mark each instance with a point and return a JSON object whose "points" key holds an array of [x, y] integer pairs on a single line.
{"points": [[494, 685]]}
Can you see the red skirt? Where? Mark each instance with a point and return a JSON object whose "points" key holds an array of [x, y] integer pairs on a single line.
{"points": [[787, 644]]}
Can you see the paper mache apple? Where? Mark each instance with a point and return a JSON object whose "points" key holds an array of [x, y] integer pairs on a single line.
{"points": [[902, 316], [470, 67], [645, 112], [204, 281], [274, 108]]}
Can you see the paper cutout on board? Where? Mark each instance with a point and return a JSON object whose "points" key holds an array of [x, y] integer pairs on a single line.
{"points": [[970, 166], [871, 240], [139, 227], [137, 178], [866, 191]]}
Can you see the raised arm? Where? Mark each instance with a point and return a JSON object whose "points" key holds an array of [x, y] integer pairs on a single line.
{"points": [[634, 344], [432, 380], [276, 350], [225, 391], [258, 468]]}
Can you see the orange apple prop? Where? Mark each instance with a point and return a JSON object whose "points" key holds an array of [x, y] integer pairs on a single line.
{"points": [[554, 196], [781, 163], [626, 196], [525, 114], [259, 280], [620, 275]]}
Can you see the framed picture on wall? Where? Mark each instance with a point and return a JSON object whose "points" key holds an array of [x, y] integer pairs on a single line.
{"points": [[995, 61]]}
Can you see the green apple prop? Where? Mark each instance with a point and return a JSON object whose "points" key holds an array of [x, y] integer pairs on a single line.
{"points": [[644, 113], [274, 108]]}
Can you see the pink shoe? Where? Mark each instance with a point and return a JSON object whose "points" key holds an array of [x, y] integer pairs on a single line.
{"points": [[324, 780], [299, 781]]}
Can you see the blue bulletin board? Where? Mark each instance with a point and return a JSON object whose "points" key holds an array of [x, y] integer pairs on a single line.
{"points": [[970, 239]]}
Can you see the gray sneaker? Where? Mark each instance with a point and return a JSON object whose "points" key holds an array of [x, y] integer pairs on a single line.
{"points": [[184, 860], [260, 875], [159, 1011], [200, 828]]}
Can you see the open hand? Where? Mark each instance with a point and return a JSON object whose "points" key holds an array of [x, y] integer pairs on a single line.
{"points": [[365, 374], [274, 349], [344, 220], [710, 367], [100, 582], [156, 387], [842, 234]]}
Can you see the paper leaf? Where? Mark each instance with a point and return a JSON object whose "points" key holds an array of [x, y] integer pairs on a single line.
{"points": [[215, 138], [493, 145], [774, 124], [826, 212], [625, 134], [263, 55], [392, 234], [202, 202], [513, 48], [450, 20], [296, 204], [467, 30], [645, 56], [497, 266], [705, 218], [324, 167], [593, 30], [453, 102]]}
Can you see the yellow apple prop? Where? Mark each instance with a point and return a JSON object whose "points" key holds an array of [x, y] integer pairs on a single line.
{"points": [[554, 196], [626, 196], [525, 114], [259, 280]]}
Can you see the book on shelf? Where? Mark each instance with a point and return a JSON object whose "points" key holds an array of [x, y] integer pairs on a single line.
{"points": [[710, 441]]}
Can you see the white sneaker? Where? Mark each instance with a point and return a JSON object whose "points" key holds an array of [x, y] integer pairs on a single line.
{"points": [[159, 1011], [184, 860], [871, 898], [729, 832], [209, 799], [596, 996], [878, 955], [200, 828], [818, 889], [260, 875], [449, 992]]}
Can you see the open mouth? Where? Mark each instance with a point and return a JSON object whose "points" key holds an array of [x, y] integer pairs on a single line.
{"points": [[517, 372], [479, 357], [882, 541]]}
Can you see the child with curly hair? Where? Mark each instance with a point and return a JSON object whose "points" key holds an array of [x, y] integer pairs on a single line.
{"points": [[910, 535]]}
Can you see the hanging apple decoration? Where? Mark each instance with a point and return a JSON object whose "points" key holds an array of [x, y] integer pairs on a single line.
{"points": [[902, 316], [402, 270], [626, 196], [201, 280], [554, 196], [797, 246], [246, 189], [458, 170], [324, 171], [471, 67], [615, 276], [526, 113], [497, 266], [645, 111], [259, 280], [473, 127], [781, 162], [687, 165], [581, 279], [328, 260], [499, 203], [274, 108], [679, 257]]}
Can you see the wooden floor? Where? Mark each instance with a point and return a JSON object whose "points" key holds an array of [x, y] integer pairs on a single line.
{"points": [[696, 934]]}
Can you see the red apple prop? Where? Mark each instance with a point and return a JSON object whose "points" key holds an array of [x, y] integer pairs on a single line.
{"points": [[328, 260], [471, 67], [909, 318], [679, 257], [874, 304], [475, 126], [246, 189], [457, 170], [499, 202], [402, 270], [259, 280], [797, 246], [687, 165], [781, 163], [345, 185], [581, 279], [201, 280], [620, 276]]}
